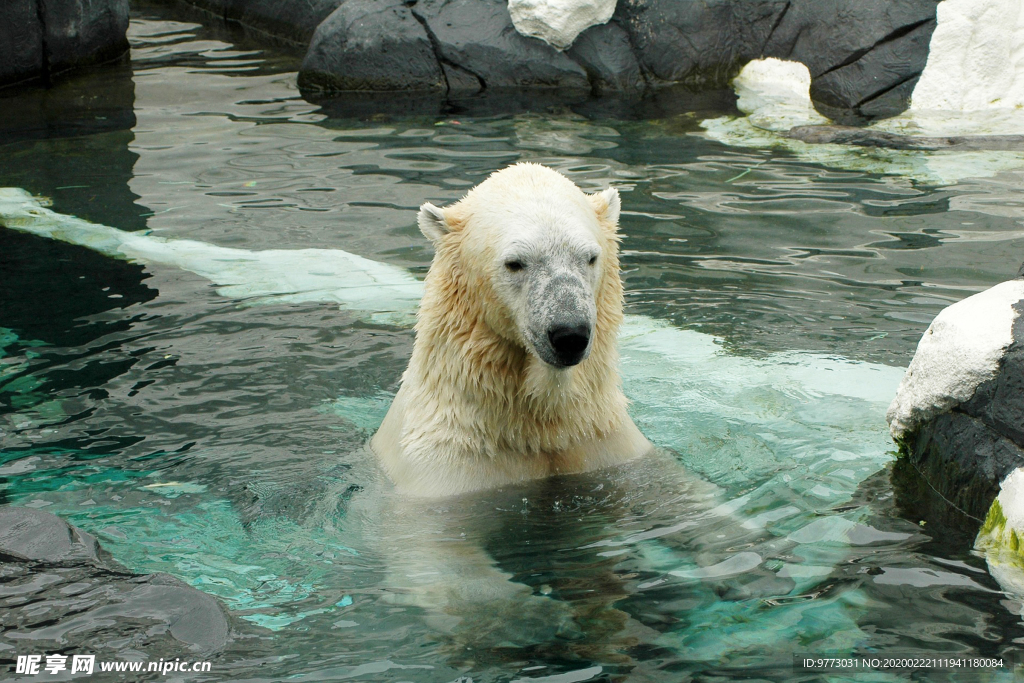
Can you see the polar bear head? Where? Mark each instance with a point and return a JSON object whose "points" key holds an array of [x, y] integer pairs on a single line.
{"points": [[532, 258], [514, 369]]}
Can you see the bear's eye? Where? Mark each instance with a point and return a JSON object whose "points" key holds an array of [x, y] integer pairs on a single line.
{"points": [[592, 261], [514, 266]]}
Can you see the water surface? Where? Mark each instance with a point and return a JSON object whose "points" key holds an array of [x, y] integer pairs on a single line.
{"points": [[221, 440]]}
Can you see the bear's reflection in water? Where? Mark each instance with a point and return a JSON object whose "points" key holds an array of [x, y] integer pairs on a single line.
{"points": [[558, 567]]}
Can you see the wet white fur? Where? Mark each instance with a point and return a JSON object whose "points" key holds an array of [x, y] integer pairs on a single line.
{"points": [[481, 405]]}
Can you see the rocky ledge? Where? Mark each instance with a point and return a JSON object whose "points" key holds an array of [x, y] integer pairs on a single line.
{"points": [[958, 416], [866, 137], [40, 39], [864, 56], [63, 593]]}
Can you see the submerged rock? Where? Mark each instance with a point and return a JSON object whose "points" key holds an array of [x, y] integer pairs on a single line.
{"points": [[33, 535], [63, 592], [867, 137], [958, 416], [39, 40]]}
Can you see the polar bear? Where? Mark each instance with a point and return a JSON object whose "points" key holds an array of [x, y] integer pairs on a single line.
{"points": [[514, 371]]}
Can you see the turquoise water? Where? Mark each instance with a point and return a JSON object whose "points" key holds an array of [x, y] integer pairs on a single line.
{"points": [[218, 433]]}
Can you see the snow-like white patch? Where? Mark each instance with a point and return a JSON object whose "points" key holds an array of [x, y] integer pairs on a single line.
{"points": [[1011, 500], [959, 350], [559, 22], [973, 82], [996, 539], [287, 275], [775, 94]]}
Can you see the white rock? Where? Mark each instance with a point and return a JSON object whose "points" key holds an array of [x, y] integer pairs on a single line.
{"points": [[973, 81], [976, 58], [558, 22], [959, 350], [1000, 536], [1011, 500], [775, 95]]}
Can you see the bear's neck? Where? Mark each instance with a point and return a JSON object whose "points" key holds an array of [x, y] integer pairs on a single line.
{"points": [[471, 384]]}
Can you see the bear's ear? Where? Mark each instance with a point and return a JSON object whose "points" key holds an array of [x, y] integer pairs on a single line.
{"points": [[608, 205], [432, 222]]}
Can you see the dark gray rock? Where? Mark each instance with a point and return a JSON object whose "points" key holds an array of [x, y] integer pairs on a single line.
{"points": [[60, 591], [829, 34], [607, 56], [371, 45], [999, 403], [880, 105], [40, 39], [951, 467], [189, 615], [864, 57], [700, 44], [82, 32], [460, 81], [877, 84], [27, 534], [454, 47], [478, 37], [106, 613], [21, 42]]}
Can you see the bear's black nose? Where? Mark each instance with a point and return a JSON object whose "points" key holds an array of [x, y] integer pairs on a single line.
{"points": [[569, 342]]}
